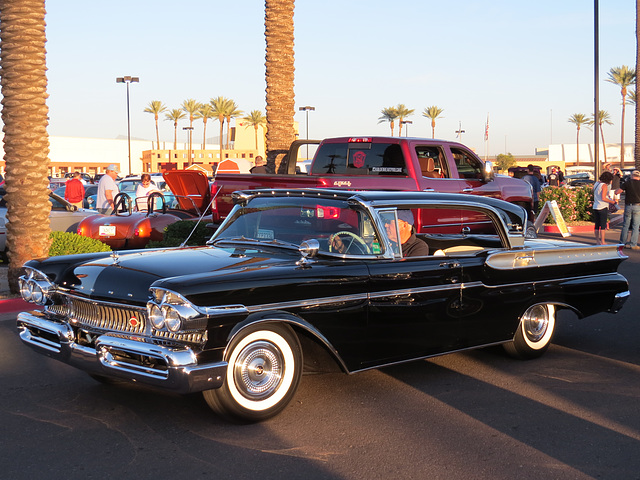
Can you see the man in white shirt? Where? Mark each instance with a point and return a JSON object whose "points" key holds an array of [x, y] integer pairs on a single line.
{"points": [[107, 190]]}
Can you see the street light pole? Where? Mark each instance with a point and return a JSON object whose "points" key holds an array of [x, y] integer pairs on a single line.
{"points": [[190, 141], [128, 80], [406, 122], [307, 109]]}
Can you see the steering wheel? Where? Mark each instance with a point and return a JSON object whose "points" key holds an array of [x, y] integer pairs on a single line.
{"points": [[151, 202], [122, 202], [351, 239]]}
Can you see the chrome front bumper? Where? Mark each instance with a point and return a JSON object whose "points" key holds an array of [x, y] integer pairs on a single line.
{"points": [[122, 356]]}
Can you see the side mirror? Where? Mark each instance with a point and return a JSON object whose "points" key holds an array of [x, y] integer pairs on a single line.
{"points": [[308, 249], [488, 172]]}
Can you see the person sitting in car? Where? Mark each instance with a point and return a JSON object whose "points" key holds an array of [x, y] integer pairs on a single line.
{"points": [[412, 246], [144, 188]]}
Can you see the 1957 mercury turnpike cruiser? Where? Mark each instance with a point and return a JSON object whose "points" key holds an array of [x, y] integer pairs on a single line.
{"points": [[296, 280]]}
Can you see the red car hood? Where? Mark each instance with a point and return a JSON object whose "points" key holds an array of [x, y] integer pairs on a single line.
{"points": [[189, 184]]}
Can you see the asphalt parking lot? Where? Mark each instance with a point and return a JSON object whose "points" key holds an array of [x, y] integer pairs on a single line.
{"points": [[573, 414]]}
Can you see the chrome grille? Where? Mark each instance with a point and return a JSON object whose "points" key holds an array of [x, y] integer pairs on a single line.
{"points": [[101, 315], [109, 317]]}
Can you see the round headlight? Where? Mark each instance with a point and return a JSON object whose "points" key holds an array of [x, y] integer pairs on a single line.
{"points": [[25, 290], [172, 320], [37, 294], [156, 317]]}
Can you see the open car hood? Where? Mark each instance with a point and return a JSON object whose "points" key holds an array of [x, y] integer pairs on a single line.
{"points": [[191, 187]]}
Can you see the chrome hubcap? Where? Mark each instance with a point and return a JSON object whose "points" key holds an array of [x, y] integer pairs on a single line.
{"points": [[258, 370], [536, 322]]}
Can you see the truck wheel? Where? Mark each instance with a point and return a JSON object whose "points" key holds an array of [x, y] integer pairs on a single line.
{"points": [[263, 373], [534, 333]]}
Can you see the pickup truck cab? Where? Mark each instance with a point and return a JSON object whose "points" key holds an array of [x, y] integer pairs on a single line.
{"points": [[382, 163]]}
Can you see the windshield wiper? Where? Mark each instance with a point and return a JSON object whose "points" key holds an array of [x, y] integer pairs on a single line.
{"points": [[244, 239]]}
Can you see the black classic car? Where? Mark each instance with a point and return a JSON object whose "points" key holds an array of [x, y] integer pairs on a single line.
{"points": [[308, 280]]}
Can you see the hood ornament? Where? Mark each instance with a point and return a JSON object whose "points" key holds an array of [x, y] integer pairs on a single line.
{"points": [[115, 257]]}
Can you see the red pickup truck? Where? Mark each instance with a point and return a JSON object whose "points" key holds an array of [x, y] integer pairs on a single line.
{"points": [[381, 163]]}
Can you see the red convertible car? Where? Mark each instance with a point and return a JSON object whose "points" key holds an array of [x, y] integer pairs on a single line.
{"points": [[129, 229]]}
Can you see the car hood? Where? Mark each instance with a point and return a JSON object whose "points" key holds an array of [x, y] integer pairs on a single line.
{"points": [[126, 278], [189, 184]]}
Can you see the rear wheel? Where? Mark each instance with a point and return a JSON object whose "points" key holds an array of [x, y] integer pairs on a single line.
{"points": [[263, 373], [534, 333]]}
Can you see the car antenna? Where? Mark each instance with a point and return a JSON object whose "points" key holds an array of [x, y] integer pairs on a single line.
{"points": [[183, 244]]}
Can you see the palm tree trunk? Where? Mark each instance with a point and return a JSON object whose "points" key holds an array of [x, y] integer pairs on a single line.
{"points": [[175, 135], [26, 143], [204, 132], [604, 145], [157, 134], [433, 128], [624, 101], [221, 119], [279, 74], [256, 134], [578, 146]]}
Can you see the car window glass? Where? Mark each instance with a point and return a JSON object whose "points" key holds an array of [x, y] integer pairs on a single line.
{"points": [[432, 161], [299, 220], [360, 159], [467, 165]]}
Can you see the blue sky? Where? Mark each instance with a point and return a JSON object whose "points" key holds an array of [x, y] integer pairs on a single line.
{"points": [[528, 65]]}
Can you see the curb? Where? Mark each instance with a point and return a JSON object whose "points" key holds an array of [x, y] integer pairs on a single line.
{"points": [[14, 305]]}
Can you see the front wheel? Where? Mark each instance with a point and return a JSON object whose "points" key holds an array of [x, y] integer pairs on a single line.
{"points": [[534, 333], [263, 373]]}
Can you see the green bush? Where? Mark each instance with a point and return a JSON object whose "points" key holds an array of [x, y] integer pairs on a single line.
{"points": [[176, 233], [67, 243], [574, 203]]}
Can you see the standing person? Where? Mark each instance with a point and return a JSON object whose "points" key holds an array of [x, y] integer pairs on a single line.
{"points": [[554, 180], [74, 190], [259, 167], [144, 188], [560, 177], [107, 190], [631, 210], [601, 201], [615, 183], [533, 180]]}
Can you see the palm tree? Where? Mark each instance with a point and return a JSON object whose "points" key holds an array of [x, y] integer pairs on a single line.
{"points": [[231, 112], [156, 107], [255, 119], [175, 115], [219, 109], [191, 107], [603, 117], [578, 119], [389, 115], [278, 23], [205, 113], [26, 143], [403, 112], [623, 77], [432, 112]]}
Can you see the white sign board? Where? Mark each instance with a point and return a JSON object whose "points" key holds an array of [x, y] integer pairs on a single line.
{"points": [[552, 208]]}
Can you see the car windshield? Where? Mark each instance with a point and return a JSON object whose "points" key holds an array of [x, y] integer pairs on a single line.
{"points": [[338, 227]]}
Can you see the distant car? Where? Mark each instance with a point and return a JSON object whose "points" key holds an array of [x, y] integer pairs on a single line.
{"points": [[187, 197], [90, 193], [86, 178], [63, 217], [578, 180]]}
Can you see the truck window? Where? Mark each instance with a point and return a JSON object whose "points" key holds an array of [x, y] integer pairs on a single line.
{"points": [[432, 162], [359, 159], [468, 166]]}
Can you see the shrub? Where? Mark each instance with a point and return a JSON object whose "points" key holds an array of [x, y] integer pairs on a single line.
{"points": [[574, 203], [176, 233], [67, 243]]}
